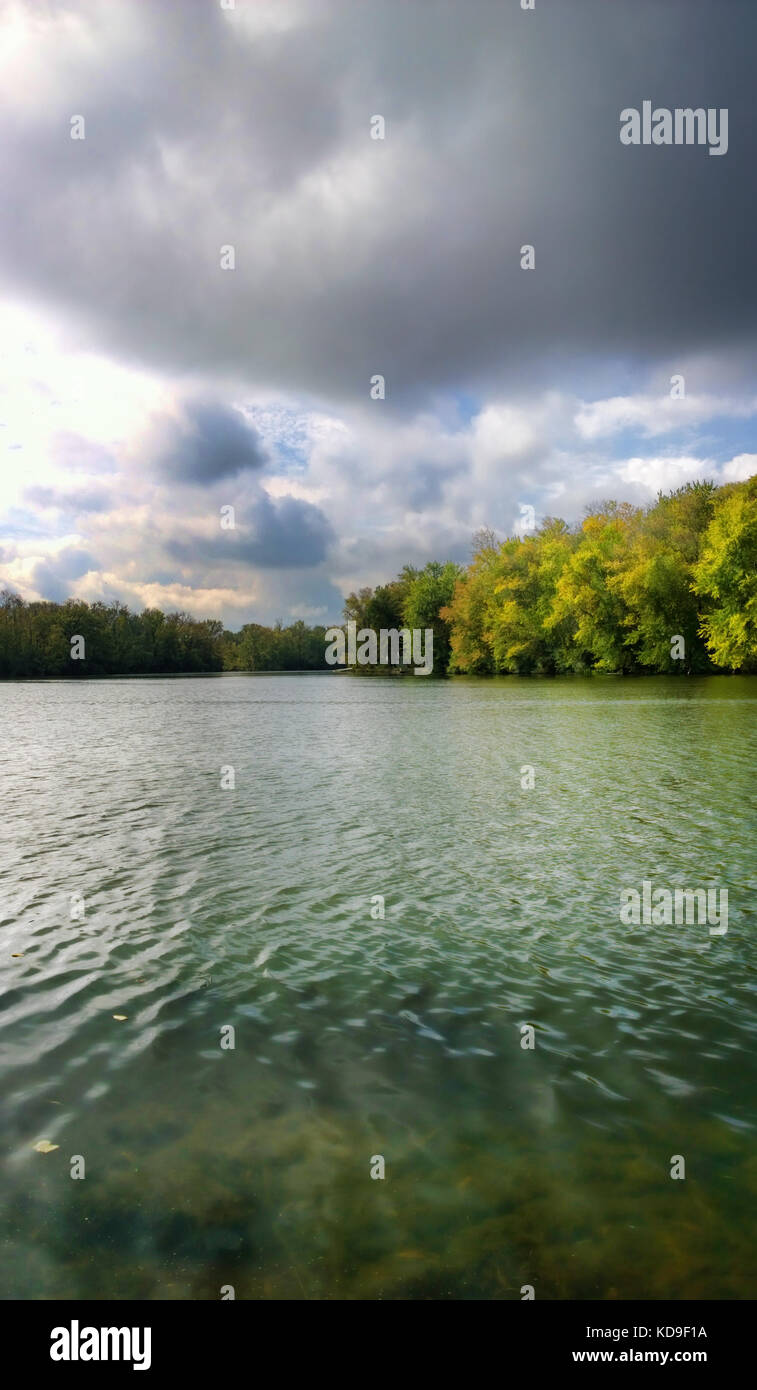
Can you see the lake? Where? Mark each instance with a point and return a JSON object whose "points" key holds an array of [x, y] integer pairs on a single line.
{"points": [[136, 884]]}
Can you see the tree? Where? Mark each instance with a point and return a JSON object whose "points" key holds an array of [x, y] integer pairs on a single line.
{"points": [[585, 594], [468, 615], [726, 575], [529, 634], [654, 580], [429, 591]]}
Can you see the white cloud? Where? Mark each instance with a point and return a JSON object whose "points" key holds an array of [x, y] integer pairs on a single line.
{"points": [[663, 472], [501, 431], [201, 602], [741, 467], [653, 415]]}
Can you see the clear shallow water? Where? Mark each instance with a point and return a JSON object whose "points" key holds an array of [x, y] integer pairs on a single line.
{"points": [[208, 907]]}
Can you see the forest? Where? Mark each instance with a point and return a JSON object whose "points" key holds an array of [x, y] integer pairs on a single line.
{"points": [[669, 587], [36, 640]]}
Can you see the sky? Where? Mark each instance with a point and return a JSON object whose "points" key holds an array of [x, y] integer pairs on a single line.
{"points": [[196, 296]]}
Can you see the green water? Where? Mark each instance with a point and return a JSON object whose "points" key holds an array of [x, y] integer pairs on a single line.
{"points": [[207, 907]]}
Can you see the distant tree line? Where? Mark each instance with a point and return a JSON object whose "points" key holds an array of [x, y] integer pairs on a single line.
{"points": [[257, 648], [36, 640], [669, 587]]}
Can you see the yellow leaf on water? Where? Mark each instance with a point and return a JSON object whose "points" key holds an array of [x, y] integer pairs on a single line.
{"points": [[16, 953], [45, 1147], [121, 1017]]}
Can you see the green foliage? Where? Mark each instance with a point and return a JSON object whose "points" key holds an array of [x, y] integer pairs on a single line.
{"points": [[383, 606], [428, 592], [530, 632], [257, 648], [654, 580], [586, 594], [468, 614], [35, 640], [415, 599], [612, 594], [726, 575]]}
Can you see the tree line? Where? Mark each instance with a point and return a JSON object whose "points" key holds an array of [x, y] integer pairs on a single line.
{"points": [[669, 587], [36, 640]]}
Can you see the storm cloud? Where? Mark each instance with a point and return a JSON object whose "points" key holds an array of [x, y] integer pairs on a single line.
{"points": [[208, 443], [284, 534], [208, 127]]}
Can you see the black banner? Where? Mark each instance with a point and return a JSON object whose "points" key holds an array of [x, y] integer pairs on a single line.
{"points": [[162, 1339]]}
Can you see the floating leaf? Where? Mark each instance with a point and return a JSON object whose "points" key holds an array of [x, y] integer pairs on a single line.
{"points": [[45, 1147], [15, 954], [121, 1017]]}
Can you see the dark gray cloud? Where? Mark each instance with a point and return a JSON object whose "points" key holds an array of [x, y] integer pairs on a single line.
{"points": [[209, 443], [356, 256], [287, 532], [273, 533]]}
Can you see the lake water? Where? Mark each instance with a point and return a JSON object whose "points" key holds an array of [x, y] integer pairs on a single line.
{"points": [[355, 1037]]}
